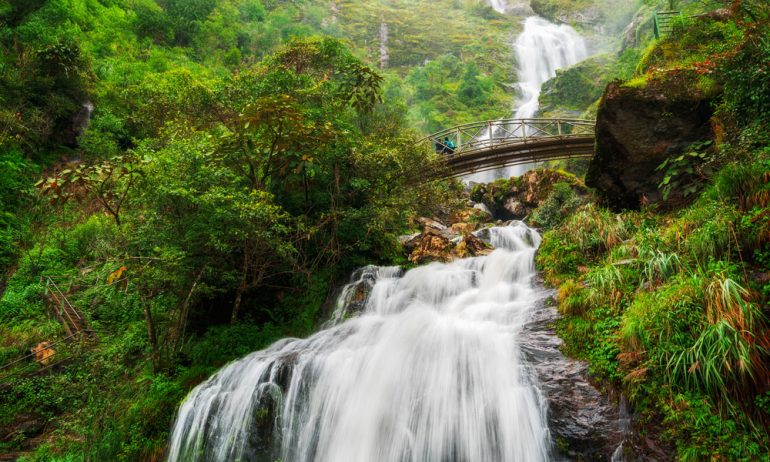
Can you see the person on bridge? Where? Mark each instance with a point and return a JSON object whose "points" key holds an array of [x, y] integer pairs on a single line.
{"points": [[449, 146]]}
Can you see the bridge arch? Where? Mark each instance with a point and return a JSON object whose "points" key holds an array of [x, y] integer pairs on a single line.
{"points": [[492, 144]]}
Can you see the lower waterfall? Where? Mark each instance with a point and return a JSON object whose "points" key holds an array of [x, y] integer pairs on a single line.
{"points": [[430, 369]]}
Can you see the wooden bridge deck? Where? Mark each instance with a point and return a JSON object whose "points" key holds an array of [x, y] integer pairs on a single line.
{"points": [[501, 143]]}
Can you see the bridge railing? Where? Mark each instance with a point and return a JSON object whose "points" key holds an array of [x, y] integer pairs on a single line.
{"points": [[493, 134]]}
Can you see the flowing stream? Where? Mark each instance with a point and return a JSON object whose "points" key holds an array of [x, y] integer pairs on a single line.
{"points": [[437, 364], [541, 49]]}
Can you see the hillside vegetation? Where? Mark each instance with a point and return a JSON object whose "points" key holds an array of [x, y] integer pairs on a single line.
{"points": [[669, 303], [196, 177]]}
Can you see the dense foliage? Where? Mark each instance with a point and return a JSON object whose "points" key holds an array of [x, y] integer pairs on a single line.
{"points": [[670, 303], [195, 177]]}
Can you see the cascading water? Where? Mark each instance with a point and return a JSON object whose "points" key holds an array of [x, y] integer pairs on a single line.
{"points": [[541, 49], [428, 367], [501, 6]]}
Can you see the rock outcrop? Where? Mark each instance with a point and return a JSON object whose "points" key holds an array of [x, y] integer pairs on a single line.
{"points": [[640, 124], [568, 12], [515, 198], [439, 242], [576, 87], [434, 245]]}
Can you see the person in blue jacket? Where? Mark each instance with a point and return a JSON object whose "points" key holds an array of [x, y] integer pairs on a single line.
{"points": [[449, 146]]}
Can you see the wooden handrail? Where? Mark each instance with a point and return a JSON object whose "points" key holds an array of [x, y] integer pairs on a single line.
{"points": [[489, 144], [503, 122]]}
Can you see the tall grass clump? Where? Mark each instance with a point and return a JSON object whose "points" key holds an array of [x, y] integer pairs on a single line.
{"points": [[705, 232], [665, 319], [597, 230], [727, 300], [746, 184], [726, 356], [719, 357], [659, 266], [572, 298]]}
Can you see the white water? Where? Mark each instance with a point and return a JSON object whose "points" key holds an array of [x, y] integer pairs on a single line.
{"points": [[541, 49], [431, 370], [501, 6]]}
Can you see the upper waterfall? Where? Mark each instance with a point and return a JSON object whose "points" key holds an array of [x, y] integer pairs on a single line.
{"points": [[499, 5], [541, 49]]}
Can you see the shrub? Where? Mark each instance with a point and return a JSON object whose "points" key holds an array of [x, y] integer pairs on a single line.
{"points": [[572, 298], [746, 184], [560, 203]]}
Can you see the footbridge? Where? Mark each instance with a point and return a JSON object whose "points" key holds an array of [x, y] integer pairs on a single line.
{"points": [[482, 146]]}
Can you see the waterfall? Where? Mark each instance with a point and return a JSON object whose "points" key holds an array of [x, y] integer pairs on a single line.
{"points": [[501, 6], [541, 49], [426, 365]]}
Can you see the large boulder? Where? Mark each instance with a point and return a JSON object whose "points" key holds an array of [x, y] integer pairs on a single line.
{"points": [[515, 198], [515, 209], [640, 124], [433, 246]]}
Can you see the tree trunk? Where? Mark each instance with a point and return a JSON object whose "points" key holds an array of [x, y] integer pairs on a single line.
{"points": [[152, 336], [236, 305], [241, 288], [184, 312]]}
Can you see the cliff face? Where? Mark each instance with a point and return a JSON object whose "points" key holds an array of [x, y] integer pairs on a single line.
{"points": [[639, 125]]}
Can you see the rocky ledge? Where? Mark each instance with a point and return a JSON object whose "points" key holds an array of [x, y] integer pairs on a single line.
{"points": [[517, 197]]}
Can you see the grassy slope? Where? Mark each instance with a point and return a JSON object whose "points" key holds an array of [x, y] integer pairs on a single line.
{"points": [[671, 306], [449, 60]]}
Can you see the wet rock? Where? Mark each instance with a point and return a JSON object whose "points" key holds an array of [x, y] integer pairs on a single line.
{"points": [[471, 214], [576, 86], [484, 209], [437, 246], [432, 247], [409, 241], [516, 197], [583, 422], [431, 224], [484, 234], [471, 246], [632, 32], [515, 209], [558, 12], [637, 128], [463, 228]]}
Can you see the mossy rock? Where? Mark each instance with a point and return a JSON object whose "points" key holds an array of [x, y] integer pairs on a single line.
{"points": [[529, 190], [577, 87]]}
